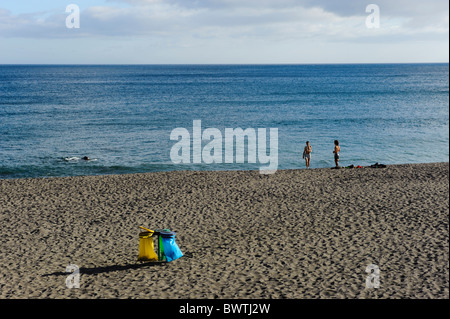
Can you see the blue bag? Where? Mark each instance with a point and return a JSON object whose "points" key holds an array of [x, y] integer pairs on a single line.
{"points": [[171, 249]]}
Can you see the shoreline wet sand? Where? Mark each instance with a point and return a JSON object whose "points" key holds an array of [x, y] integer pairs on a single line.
{"points": [[294, 234]]}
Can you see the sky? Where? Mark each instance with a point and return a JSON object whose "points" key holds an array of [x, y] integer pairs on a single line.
{"points": [[224, 32]]}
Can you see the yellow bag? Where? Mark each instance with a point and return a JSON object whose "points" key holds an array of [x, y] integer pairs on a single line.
{"points": [[146, 248]]}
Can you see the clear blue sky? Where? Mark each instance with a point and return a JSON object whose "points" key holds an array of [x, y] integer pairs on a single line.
{"points": [[29, 6], [223, 31]]}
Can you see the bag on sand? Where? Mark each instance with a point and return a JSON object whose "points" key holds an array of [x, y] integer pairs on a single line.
{"points": [[170, 247], [146, 248]]}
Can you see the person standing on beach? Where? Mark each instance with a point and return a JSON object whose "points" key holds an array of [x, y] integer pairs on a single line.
{"points": [[307, 153], [336, 151]]}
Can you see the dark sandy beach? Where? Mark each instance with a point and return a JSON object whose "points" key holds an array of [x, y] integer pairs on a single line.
{"points": [[294, 234]]}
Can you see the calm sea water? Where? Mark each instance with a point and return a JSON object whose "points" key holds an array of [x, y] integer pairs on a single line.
{"points": [[122, 116]]}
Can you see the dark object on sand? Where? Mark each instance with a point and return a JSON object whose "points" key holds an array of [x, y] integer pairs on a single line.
{"points": [[353, 166], [376, 165]]}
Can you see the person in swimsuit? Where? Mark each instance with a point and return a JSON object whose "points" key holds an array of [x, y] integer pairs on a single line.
{"points": [[336, 151], [307, 154]]}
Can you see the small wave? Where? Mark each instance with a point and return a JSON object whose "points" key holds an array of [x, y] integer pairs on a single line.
{"points": [[76, 159]]}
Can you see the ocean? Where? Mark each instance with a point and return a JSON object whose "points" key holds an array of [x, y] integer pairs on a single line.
{"points": [[122, 116]]}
